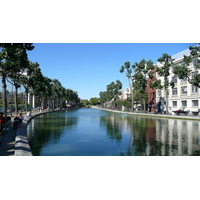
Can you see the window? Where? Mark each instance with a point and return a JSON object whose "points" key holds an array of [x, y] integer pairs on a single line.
{"points": [[195, 103], [184, 79], [174, 91], [184, 90], [174, 79], [184, 103], [174, 103], [194, 74], [159, 93], [195, 89], [194, 62]]}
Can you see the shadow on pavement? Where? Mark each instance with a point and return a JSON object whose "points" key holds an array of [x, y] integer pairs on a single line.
{"points": [[7, 146]]}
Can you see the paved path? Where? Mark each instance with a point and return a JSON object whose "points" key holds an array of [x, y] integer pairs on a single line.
{"points": [[7, 147]]}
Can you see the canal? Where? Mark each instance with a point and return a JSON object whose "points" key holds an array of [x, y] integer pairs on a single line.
{"points": [[93, 132]]}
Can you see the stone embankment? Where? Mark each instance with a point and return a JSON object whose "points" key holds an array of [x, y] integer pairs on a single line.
{"points": [[147, 114], [22, 147], [15, 142]]}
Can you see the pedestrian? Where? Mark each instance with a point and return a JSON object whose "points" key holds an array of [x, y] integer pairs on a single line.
{"points": [[20, 116], [17, 122], [8, 124], [2, 121], [28, 114]]}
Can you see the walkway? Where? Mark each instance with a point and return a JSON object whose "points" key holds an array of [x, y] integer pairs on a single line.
{"points": [[8, 143], [13, 143], [7, 147], [186, 117]]}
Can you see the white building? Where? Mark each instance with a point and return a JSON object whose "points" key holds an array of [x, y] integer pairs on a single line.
{"points": [[184, 95], [125, 93]]}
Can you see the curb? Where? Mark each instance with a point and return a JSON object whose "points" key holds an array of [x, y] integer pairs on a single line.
{"points": [[183, 117], [22, 147]]}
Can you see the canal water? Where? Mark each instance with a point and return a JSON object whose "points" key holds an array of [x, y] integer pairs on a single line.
{"points": [[93, 132]]}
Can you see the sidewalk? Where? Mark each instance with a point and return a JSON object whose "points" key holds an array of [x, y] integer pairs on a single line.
{"points": [[7, 147], [8, 144], [148, 114]]}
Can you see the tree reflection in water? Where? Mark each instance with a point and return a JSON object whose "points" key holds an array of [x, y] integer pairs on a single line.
{"points": [[96, 132], [52, 129]]}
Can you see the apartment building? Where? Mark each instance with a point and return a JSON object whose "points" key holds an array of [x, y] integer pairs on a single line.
{"points": [[125, 93], [183, 96]]}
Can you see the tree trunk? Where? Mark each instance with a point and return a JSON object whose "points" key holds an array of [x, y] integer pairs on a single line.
{"points": [[16, 103], [144, 101], [53, 104], [26, 100], [166, 94], [4, 94], [132, 99], [42, 102]]}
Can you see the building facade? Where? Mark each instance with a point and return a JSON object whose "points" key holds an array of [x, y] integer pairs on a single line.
{"points": [[183, 96]]}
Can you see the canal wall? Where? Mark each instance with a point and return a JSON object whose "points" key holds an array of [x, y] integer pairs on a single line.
{"points": [[186, 117], [22, 147]]}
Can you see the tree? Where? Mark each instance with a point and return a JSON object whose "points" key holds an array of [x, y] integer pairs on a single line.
{"points": [[72, 96], [118, 87], [94, 101], [164, 71], [127, 69], [143, 72], [182, 71], [113, 91], [103, 98], [13, 59], [29, 80], [85, 102]]}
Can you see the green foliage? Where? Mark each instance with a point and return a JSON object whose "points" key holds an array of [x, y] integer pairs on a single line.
{"points": [[103, 97], [126, 103], [85, 102], [113, 90], [156, 84], [94, 101], [13, 62], [143, 72], [139, 95], [182, 71]]}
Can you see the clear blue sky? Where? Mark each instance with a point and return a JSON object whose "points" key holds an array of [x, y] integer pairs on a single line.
{"points": [[89, 67]]}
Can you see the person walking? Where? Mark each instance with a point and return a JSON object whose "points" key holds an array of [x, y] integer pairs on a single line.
{"points": [[2, 121], [20, 116]]}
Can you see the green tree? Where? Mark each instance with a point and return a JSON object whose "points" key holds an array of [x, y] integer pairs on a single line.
{"points": [[85, 102], [72, 96], [29, 79], [113, 91], [103, 98], [129, 71], [13, 60], [182, 71], [143, 72], [164, 71], [94, 101]]}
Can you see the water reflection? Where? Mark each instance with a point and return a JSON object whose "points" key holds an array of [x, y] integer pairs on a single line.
{"points": [[113, 126], [50, 127], [164, 137], [95, 132]]}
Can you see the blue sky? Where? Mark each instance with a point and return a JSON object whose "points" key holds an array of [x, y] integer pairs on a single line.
{"points": [[89, 67]]}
